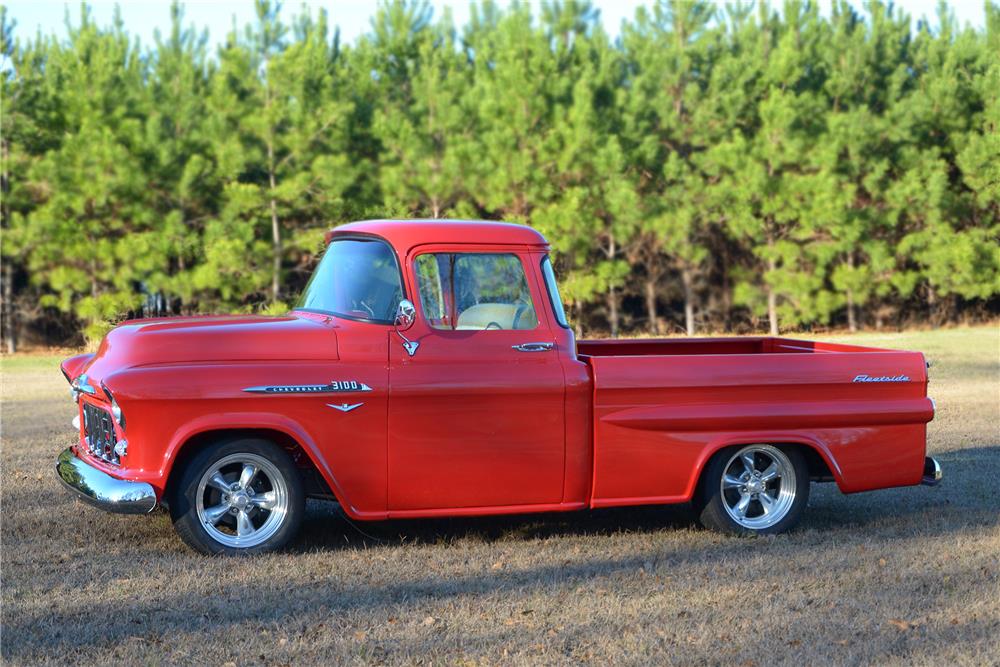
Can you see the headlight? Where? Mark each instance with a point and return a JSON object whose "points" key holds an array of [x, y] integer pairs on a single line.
{"points": [[116, 410]]}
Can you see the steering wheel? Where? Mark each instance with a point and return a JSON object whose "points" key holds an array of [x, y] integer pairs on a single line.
{"points": [[492, 324]]}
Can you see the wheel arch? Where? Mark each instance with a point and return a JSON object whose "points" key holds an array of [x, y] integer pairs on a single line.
{"points": [[822, 466], [316, 477]]}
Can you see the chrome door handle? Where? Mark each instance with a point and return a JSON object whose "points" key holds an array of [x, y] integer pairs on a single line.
{"points": [[533, 347]]}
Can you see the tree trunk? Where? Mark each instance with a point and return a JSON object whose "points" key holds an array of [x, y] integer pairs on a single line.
{"points": [[772, 300], [612, 293], [687, 281], [9, 327], [275, 227], [852, 317], [613, 310], [651, 315], [727, 294]]}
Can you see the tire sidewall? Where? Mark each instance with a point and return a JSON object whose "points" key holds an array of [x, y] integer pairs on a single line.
{"points": [[714, 514], [183, 503]]}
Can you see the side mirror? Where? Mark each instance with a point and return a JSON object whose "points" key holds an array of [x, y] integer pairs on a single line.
{"points": [[406, 313]]}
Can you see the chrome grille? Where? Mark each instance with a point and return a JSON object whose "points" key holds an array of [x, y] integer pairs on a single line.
{"points": [[99, 431]]}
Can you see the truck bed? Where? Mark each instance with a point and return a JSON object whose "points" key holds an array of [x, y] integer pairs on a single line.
{"points": [[663, 407]]}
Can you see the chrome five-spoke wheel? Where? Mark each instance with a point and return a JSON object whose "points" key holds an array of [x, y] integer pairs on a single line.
{"points": [[242, 500], [238, 496], [756, 488]]}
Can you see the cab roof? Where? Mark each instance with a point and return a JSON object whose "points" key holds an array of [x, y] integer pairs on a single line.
{"points": [[406, 234]]}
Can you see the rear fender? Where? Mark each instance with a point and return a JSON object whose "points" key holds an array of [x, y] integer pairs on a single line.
{"points": [[776, 438]]}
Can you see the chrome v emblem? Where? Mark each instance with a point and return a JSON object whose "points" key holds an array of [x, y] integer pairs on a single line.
{"points": [[344, 407]]}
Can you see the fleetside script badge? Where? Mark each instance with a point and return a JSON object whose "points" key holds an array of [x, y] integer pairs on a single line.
{"points": [[881, 378]]}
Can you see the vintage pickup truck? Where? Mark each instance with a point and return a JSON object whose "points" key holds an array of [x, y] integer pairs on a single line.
{"points": [[428, 370]]}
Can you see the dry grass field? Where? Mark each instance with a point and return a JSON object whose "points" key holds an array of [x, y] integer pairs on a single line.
{"points": [[904, 576]]}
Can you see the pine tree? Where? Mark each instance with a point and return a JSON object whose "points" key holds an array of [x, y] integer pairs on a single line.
{"points": [[669, 53], [425, 123], [90, 236], [947, 249], [281, 125], [182, 174]]}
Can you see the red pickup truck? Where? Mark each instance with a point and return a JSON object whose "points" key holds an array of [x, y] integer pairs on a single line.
{"points": [[428, 370]]}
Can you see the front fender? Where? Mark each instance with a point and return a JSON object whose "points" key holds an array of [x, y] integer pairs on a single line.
{"points": [[242, 421], [73, 366]]}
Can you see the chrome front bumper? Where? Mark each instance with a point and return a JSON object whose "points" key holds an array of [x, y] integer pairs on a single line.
{"points": [[932, 472], [101, 489]]}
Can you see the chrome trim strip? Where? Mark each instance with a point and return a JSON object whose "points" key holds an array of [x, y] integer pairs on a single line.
{"points": [[101, 490], [333, 387]]}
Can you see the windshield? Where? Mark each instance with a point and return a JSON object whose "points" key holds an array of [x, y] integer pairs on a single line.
{"points": [[357, 279]]}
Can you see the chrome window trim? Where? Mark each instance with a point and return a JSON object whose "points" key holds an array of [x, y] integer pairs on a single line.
{"points": [[561, 318]]}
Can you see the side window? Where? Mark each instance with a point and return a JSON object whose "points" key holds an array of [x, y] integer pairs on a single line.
{"points": [[431, 285], [553, 289], [475, 291]]}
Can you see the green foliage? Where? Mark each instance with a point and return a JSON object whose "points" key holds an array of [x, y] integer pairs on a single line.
{"points": [[717, 166]]}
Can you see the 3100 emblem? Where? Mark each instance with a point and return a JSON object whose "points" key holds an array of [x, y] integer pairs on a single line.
{"points": [[333, 387]]}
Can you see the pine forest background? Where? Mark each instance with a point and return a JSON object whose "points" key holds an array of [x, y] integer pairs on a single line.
{"points": [[714, 168]]}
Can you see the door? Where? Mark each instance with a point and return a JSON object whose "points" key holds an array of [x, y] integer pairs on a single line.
{"points": [[476, 414]]}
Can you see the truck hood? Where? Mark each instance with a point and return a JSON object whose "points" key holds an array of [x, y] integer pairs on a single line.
{"points": [[229, 338]]}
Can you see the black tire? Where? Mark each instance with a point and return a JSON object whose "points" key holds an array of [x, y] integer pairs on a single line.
{"points": [[279, 530], [714, 502]]}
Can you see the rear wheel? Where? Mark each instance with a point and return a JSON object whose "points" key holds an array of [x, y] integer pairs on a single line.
{"points": [[755, 489], [241, 496]]}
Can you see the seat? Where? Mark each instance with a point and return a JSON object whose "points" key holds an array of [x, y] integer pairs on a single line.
{"points": [[499, 315]]}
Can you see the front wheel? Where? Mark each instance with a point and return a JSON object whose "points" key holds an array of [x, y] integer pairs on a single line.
{"points": [[755, 489], [240, 496]]}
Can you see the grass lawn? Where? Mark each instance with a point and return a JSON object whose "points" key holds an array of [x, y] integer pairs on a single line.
{"points": [[901, 576]]}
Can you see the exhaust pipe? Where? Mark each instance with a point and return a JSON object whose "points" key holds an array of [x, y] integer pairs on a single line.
{"points": [[932, 472]]}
